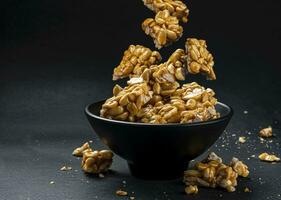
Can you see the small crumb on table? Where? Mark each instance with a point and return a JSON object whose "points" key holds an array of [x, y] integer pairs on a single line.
{"points": [[266, 132], [65, 168], [101, 175], [242, 139], [191, 189], [268, 157], [121, 193]]}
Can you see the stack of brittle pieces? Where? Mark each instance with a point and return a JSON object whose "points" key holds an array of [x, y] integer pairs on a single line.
{"points": [[154, 94], [212, 172]]}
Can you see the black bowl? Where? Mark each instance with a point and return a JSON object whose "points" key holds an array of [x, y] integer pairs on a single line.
{"points": [[157, 151]]}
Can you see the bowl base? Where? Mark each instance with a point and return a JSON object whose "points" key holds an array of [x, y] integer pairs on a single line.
{"points": [[159, 172]]}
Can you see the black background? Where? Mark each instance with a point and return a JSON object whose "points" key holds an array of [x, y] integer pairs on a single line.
{"points": [[58, 56]]}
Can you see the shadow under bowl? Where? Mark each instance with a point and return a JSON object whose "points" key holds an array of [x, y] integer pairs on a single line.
{"points": [[158, 151]]}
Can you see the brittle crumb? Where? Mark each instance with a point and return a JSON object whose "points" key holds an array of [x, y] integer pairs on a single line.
{"points": [[121, 193], [101, 175], [246, 189], [191, 189], [242, 139], [266, 132], [65, 168], [268, 157]]}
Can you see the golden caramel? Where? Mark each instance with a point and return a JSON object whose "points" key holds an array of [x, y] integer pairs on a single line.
{"points": [[176, 8], [212, 172], [199, 60], [96, 162], [164, 29]]}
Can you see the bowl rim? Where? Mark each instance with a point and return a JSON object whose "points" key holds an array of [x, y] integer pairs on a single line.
{"points": [[200, 123]]}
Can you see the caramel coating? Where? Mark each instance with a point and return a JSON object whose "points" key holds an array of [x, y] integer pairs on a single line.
{"points": [[268, 157], [191, 189], [266, 132], [176, 8], [199, 60], [135, 60], [153, 102], [80, 150], [212, 172], [164, 29], [96, 162]]}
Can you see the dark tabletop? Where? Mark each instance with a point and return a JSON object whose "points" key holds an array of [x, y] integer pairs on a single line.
{"points": [[57, 58]]}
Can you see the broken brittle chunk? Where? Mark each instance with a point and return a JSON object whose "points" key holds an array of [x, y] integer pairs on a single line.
{"points": [[96, 162], [200, 103], [135, 60], [181, 105], [212, 172], [172, 70], [164, 28], [239, 167], [227, 178], [199, 59], [268, 157], [80, 150], [127, 102], [175, 7], [266, 132]]}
